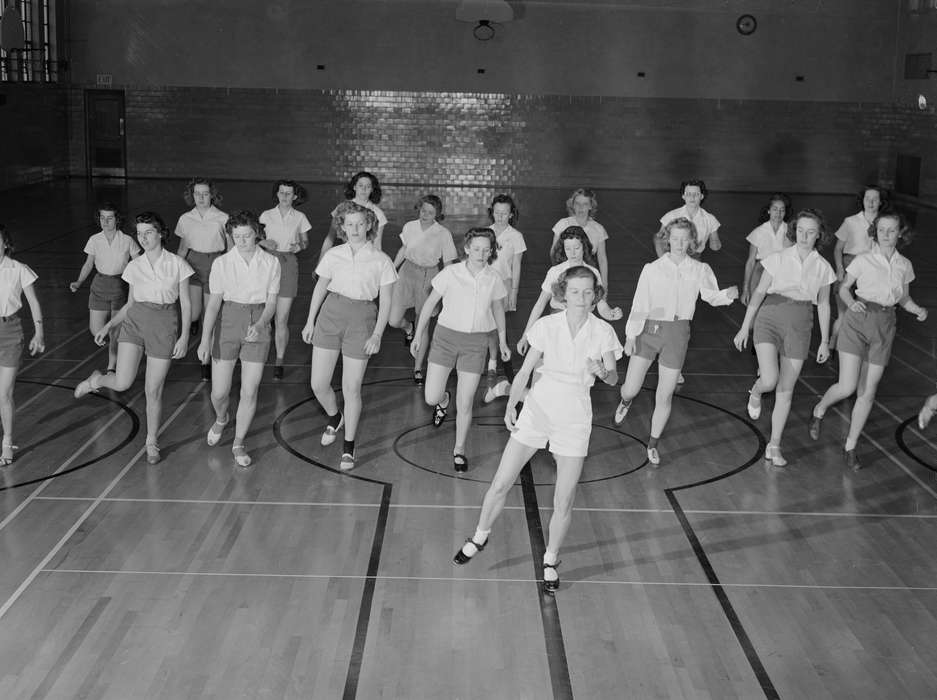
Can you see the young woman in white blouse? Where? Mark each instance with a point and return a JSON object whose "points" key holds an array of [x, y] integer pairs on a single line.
{"points": [[286, 233], [576, 348], [345, 320], [364, 190], [471, 293], [693, 192], [243, 288], [16, 282], [881, 277], [201, 240], [659, 324], [794, 281], [852, 239], [770, 236], [107, 253], [149, 324], [425, 245], [582, 206]]}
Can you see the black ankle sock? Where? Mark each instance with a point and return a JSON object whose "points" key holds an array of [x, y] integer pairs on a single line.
{"points": [[348, 446], [335, 420], [652, 442], [508, 368]]}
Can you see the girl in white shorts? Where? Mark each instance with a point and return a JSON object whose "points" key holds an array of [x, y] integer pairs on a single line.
{"points": [[576, 348]]}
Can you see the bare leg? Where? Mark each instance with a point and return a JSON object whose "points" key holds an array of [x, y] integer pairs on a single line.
{"points": [[222, 372], [849, 368], [568, 470], [323, 367], [663, 399], [251, 373], [790, 370], [352, 376], [156, 371], [128, 363], [7, 380], [865, 396], [281, 336], [466, 387]]}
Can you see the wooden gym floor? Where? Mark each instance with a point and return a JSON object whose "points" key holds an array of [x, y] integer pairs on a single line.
{"points": [[710, 577]]}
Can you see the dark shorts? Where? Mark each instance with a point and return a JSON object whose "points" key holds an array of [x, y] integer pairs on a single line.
{"points": [[413, 285], [228, 342], [11, 341], [345, 324], [201, 263], [666, 339], [154, 327], [289, 275], [786, 324], [466, 352], [868, 334], [108, 293]]}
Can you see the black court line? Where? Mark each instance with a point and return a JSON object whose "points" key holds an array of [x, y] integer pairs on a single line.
{"points": [[549, 611], [377, 544], [751, 654], [134, 429], [899, 438]]}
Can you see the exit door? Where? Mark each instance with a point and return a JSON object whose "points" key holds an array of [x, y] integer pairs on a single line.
{"points": [[104, 117]]}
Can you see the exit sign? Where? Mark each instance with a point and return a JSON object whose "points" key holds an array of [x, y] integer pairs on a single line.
{"points": [[105, 80]]}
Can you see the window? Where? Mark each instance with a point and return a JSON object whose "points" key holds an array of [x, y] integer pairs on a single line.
{"points": [[38, 62]]}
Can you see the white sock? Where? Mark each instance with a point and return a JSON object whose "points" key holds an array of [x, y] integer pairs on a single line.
{"points": [[492, 365], [481, 536], [502, 388], [550, 558]]}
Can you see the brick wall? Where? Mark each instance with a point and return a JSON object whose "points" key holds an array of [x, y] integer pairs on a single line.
{"points": [[34, 136], [513, 140]]}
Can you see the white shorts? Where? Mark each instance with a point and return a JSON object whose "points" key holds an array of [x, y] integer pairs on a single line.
{"points": [[558, 413]]}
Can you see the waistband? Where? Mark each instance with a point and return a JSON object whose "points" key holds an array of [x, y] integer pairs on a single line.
{"points": [[283, 253], [239, 305], [434, 266], [343, 298], [672, 321], [118, 276], [781, 299], [157, 307], [10, 318], [872, 306], [202, 252]]}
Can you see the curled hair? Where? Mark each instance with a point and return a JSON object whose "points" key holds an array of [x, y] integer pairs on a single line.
{"points": [[189, 192], [905, 234], [434, 201], [824, 236], [298, 190], [348, 207], [505, 199], [7, 239], [375, 186], [155, 220], [107, 206], [694, 183], [245, 218], [765, 214], [583, 192], [680, 222], [558, 254], [483, 232], [883, 198], [577, 272]]}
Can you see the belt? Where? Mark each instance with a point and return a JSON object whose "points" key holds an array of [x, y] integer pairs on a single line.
{"points": [[781, 299], [101, 274], [872, 306], [8, 319]]}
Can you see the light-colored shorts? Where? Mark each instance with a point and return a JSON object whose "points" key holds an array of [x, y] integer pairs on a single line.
{"points": [[666, 339], [108, 293], [556, 413], [466, 352], [786, 324], [154, 327], [868, 334], [414, 284], [228, 342], [345, 324]]}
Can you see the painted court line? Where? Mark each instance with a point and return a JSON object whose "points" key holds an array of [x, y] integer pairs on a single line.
{"points": [[877, 444], [84, 516], [62, 467], [545, 509], [443, 579]]}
